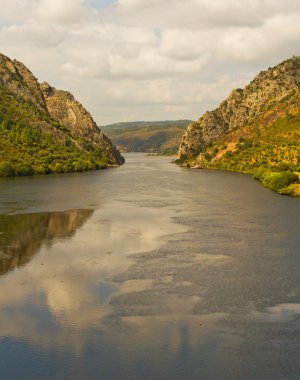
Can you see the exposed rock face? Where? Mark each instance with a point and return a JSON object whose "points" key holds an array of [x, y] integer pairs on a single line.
{"points": [[17, 78], [243, 106], [62, 106], [58, 105]]}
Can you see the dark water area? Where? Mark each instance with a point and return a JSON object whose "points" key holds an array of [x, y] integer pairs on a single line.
{"points": [[148, 271]]}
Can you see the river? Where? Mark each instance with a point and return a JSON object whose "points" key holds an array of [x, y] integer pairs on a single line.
{"points": [[148, 271]]}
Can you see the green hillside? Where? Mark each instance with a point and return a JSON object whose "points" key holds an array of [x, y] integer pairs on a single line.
{"points": [[44, 130], [271, 151], [26, 150], [161, 137]]}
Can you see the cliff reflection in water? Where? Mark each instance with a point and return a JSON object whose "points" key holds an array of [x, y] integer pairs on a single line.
{"points": [[21, 236]]}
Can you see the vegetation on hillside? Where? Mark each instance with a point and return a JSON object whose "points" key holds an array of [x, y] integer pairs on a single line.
{"points": [[254, 130], [269, 148], [27, 149]]}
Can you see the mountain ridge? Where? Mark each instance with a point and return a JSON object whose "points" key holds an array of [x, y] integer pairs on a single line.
{"points": [[162, 137]]}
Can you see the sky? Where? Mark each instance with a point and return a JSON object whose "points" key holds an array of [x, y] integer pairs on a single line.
{"points": [[127, 60]]}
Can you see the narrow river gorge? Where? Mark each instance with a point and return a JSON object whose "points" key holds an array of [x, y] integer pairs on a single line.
{"points": [[148, 271]]}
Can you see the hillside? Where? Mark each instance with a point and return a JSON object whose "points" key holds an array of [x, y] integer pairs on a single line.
{"points": [[44, 130], [161, 137], [255, 130]]}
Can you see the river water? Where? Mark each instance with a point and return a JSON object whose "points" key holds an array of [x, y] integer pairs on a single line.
{"points": [[148, 271]]}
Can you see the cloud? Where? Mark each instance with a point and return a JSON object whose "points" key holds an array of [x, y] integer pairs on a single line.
{"points": [[202, 14], [122, 58], [279, 34], [149, 62], [33, 34], [187, 45], [55, 11]]}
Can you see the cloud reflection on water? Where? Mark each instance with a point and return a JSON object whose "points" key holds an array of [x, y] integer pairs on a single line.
{"points": [[70, 280]]}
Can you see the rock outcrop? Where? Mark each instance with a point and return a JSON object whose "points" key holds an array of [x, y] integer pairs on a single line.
{"points": [[17, 78], [255, 130], [63, 107], [243, 106]]}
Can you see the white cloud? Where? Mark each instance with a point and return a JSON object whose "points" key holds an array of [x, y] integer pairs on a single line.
{"points": [[278, 34], [149, 59], [60, 11], [149, 62], [33, 34], [203, 13]]}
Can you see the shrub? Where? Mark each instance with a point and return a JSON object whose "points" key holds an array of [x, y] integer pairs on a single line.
{"points": [[260, 173], [228, 154], [276, 181], [279, 180], [287, 191], [24, 170], [6, 169], [207, 156], [283, 166]]}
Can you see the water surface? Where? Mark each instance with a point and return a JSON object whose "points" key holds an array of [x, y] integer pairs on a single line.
{"points": [[148, 271]]}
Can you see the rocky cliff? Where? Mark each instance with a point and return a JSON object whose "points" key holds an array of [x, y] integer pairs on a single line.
{"points": [[54, 117], [257, 127], [15, 77], [243, 106], [62, 107]]}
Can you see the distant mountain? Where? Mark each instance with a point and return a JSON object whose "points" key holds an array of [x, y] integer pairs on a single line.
{"points": [[161, 137], [255, 130], [44, 130]]}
